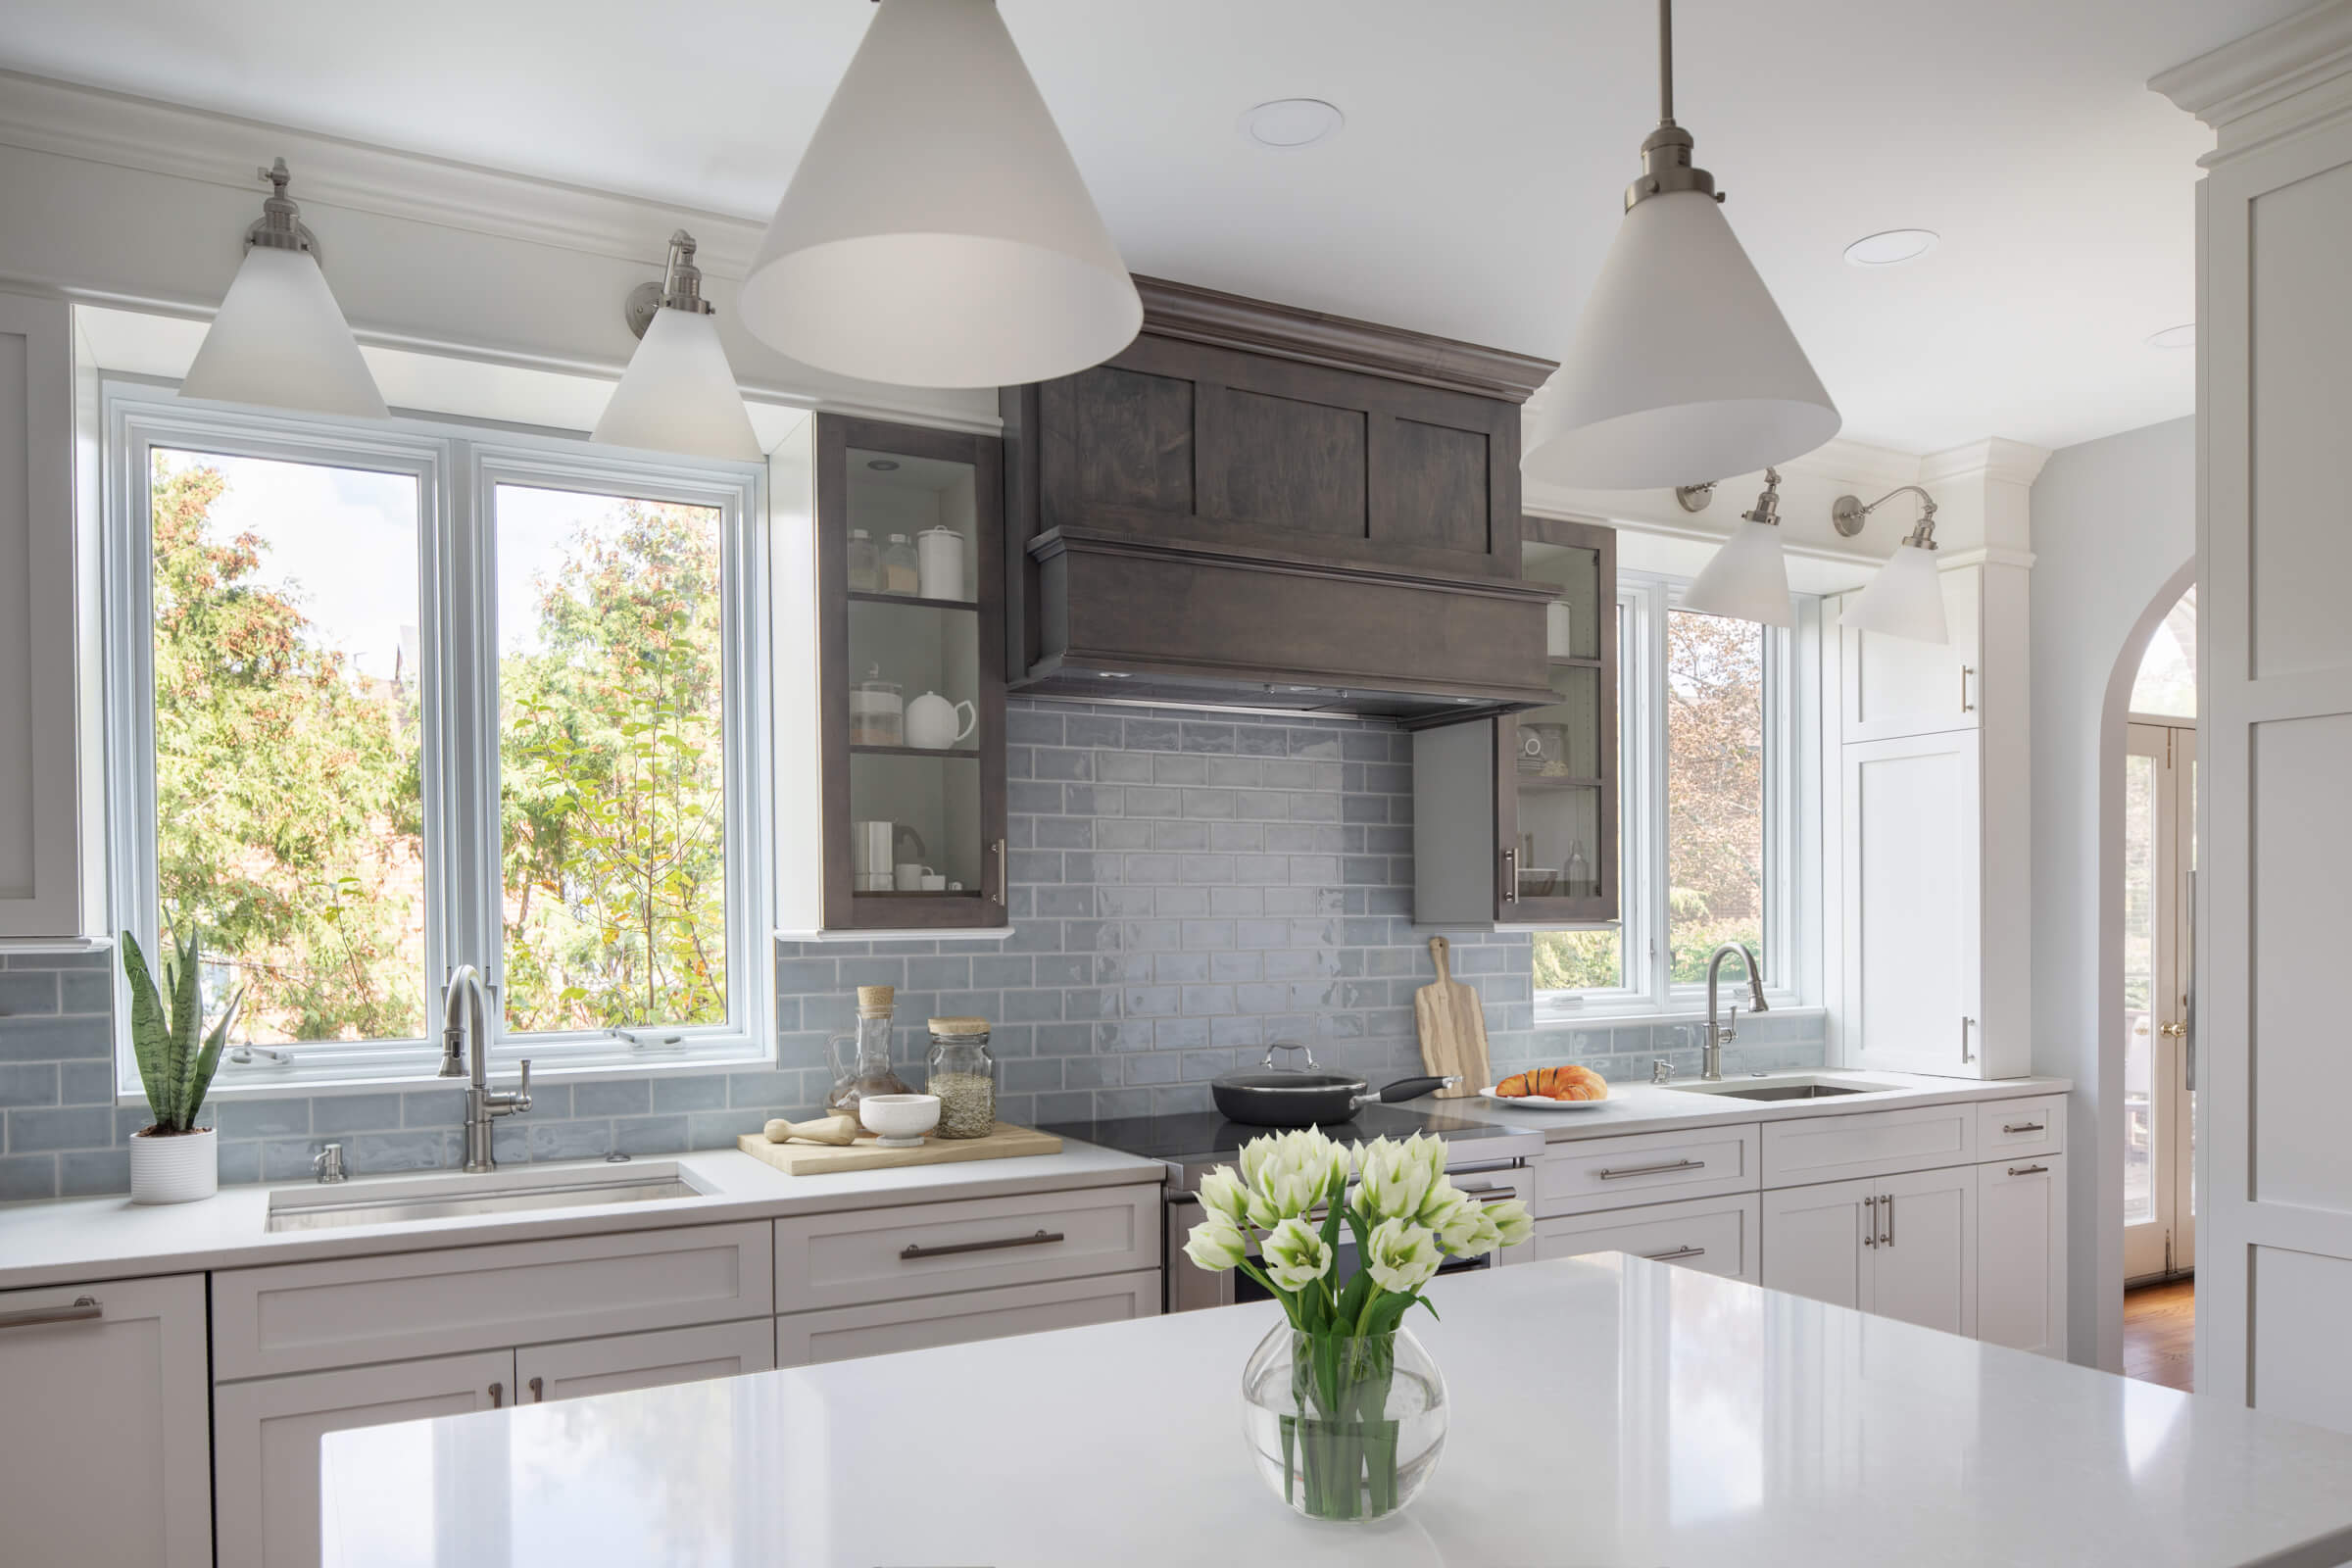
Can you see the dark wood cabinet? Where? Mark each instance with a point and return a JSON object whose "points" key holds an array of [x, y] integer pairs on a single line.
{"points": [[1255, 504], [910, 704], [1515, 818]]}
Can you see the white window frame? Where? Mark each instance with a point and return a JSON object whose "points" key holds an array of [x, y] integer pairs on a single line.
{"points": [[458, 468], [1792, 687]]}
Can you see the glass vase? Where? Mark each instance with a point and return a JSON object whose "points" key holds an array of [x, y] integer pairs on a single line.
{"points": [[1340, 1428]]}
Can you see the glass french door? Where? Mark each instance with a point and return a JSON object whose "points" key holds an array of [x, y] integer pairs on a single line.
{"points": [[2160, 852]]}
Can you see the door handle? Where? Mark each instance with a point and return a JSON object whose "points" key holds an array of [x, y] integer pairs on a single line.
{"points": [[1677, 1254], [1886, 1211], [1510, 875], [1870, 1225], [498, 1396], [2021, 1127], [538, 1391], [1003, 872], [83, 1309], [1966, 1024], [2029, 1170], [1966, 706], [1036, 1239], [1610, 1173]]}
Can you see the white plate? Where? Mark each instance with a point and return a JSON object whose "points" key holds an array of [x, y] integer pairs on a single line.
{"points": [[1541, 1102]]}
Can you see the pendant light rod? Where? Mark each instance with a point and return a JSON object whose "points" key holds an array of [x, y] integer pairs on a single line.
{"points": [[1847, 514], [1665, 62], [1666, 165]]}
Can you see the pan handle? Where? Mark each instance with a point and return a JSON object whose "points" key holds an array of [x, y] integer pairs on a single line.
{"points": [[1406, 1089]]}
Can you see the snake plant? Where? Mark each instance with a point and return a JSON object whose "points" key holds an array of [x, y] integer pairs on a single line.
{"points": [[177, 1056]]}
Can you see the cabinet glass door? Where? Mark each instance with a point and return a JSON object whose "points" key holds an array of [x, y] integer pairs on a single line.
{"points": [[1557, 772], [911, 523]]}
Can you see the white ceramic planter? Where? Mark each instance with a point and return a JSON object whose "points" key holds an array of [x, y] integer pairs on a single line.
{"points": [[179, 1170]]}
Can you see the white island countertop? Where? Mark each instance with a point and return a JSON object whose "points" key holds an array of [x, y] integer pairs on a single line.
{"points": [[1605, 1412]]}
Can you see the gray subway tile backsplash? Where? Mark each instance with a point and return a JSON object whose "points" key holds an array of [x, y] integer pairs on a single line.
{"points": [[1187, 889]]}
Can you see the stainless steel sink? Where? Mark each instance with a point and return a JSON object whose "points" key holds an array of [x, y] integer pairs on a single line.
{"points": [[1806, 1086], [430, 1198]]}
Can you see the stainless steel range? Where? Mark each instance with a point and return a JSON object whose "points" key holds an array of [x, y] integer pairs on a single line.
{"points": [[1489, 1161]]}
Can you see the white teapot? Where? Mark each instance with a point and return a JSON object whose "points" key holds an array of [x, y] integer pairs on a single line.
{"points": [[931, 722]]}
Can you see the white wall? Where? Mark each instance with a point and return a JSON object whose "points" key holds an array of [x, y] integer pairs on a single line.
{"points": [[2115, 540]]}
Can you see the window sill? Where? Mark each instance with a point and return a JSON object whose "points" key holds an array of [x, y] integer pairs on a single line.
{"points": [[1677, 1012], [259, 1082]]}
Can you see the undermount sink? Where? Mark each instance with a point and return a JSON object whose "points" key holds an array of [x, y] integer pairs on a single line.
{"points": [[427, 1197], [1781, 1088]]}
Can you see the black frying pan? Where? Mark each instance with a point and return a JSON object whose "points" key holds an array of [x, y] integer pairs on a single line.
{"points": [[1290, 1097]]}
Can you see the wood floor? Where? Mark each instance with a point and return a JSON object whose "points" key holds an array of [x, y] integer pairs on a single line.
{"points": [[2159, 1332]]}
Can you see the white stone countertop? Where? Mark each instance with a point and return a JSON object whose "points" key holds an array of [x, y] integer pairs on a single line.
{"points": [[1604, 1411], [69, 1240], [1654, 1108]]}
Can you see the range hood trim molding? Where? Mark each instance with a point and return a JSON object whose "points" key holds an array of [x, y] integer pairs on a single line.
{"points": [[1057, 541]]}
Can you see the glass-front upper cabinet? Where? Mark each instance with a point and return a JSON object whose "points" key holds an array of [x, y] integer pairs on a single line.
{"points": [[911, 692], [1556, 771]]}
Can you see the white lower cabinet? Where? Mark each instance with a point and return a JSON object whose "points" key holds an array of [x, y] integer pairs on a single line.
{"points": [[1903, 1246], [2021, 1253], [582, 1367], [266, 1440], [106, 1458], [1713, 1235], [842, 1334]]}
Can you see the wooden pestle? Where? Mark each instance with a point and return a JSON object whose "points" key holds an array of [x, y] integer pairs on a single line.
{"points": [[840, 1129]]}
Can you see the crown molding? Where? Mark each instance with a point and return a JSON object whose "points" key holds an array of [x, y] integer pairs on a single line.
{"points": [[43, 115], [1994, 457], [2252, 92]]}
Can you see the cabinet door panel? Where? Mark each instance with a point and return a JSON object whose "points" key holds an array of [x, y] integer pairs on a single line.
{"points": [[1913, 905], [1895, 686], [582, 1367], [1924, 1269], [108, 1454], [2021, 1253], [1713, 1235], [1813, 1242], [266, 1440]]}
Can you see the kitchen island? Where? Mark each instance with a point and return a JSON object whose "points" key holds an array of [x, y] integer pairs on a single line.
{"points": [[1604, 1411]]}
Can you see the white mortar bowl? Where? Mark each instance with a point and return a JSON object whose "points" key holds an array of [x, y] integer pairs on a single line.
{"points": [[899, 1121]]}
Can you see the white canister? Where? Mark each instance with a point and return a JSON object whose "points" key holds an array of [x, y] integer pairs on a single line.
{"points": [[174, 1168], [931, 722], [939, 563], [1555, 629], [873, 850]]}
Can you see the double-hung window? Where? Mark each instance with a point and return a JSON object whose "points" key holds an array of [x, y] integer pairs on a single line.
{"points": [[1712, 712], [383, 699]]}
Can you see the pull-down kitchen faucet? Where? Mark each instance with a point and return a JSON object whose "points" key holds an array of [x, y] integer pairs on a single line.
{"points": [[466, 1012], [1721, 1035]]}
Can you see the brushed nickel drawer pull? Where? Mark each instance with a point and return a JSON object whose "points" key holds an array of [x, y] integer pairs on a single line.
{"points": [[2029, 1170], [1966, 706], [498, 1396], [1499, 1189], [1886, 1208], [1677, 1254], [538, 1391], [1870, 1222], [1610, 1173], [83, 1309], [1039, 1238], [2023, 1126]]}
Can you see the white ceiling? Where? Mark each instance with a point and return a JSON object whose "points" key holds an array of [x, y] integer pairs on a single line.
{"points": [[1472, 192]]}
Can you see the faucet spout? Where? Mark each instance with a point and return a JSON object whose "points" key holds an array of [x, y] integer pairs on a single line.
{"points": [[465, 1053], [1720, 1034]]}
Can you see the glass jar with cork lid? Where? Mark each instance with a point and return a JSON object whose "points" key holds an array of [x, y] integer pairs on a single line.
{"points": [[963, 1075], [862, 1062]]}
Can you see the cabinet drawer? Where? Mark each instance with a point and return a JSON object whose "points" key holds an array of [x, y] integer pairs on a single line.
{"points": [[843, 1333], [1713, 1235], [575, 1370], [887, 1255], [1577, 1177], [1871, 1143], [298, 1317], [2007, 1128]]}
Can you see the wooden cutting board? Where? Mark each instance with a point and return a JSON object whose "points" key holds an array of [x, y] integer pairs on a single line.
{"points": [[818, 1160], [1454, 1029]]}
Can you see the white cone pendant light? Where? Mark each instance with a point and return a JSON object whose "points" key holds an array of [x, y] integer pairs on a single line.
{"points": [[1748, 577], [1682, 369], [1906, 598], [279, 339], [678, 393], [937, 232]]}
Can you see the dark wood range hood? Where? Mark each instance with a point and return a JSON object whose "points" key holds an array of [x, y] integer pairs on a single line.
{"points": [[1254, 505]]}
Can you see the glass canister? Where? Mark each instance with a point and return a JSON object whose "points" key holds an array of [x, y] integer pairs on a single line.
{"points": [[877, 712], [900, 572], [866, 563], [963, 1075], [862, 1062]]}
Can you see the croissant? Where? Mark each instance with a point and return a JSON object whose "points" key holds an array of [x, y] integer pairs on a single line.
{"points": [[1574, 1081]]}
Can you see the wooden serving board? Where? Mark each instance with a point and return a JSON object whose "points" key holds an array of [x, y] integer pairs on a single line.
{"points": [[1454, 1029], [818, 1160]]}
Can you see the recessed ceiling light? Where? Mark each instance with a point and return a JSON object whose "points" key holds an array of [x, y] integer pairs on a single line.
{"points": [[1286, 124], [1891, 246], [2183, 336]]}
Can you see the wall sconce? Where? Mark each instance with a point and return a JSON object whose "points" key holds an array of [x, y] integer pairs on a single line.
{"points": [[1906, 598], [678, 393], [1748, 578], [280, 338]]}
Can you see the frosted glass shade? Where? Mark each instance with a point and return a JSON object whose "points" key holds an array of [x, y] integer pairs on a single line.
{"points": [[1681, 370], [1904, 600], [280, 340], [678, 394], [1747, 580], [937, 232]]}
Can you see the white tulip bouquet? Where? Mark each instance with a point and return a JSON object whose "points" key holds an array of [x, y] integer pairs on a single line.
{"points": [[1406, 1219]]}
